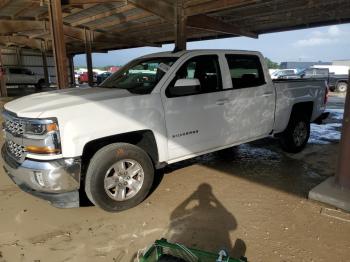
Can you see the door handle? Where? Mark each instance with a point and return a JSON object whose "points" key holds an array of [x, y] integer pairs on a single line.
{"points": [[221, 102], [267, 93]]}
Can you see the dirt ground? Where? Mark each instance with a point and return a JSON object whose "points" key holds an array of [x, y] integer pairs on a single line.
{"points": [[253, 200]]}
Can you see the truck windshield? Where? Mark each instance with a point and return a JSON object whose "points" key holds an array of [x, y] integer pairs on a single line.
{"points": [[140, 76]]}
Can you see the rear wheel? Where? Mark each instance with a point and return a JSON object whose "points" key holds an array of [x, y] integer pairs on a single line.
{"points": [[119, 177], [295, 137], [40, 85], [342, 87]]}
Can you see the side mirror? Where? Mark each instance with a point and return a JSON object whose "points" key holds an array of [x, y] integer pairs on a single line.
{"points": [[185, 86]]}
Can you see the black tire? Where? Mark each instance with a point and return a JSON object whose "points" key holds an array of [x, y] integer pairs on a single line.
{"points": [[342, 87], [98, 168], [40, 85], [227, 153], [289, 141]]}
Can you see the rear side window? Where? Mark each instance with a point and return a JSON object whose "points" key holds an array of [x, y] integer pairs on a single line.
{"points": [[322, 72], [245, 70], [289, 72]]}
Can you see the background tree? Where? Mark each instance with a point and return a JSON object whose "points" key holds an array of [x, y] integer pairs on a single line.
{"points": [[271, 64]]}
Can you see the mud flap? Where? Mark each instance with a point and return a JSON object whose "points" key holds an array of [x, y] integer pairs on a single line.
{"points": [[319, 120]]}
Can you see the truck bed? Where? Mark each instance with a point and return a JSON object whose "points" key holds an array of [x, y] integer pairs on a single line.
{"points": [[292, 91]]}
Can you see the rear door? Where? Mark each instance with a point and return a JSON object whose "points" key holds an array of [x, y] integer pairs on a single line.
{"points": [[249, 111], [194, 121], [28, 76]]}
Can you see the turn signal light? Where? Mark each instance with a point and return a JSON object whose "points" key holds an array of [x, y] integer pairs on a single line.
{"points": [[42, 150], [51, 127]]}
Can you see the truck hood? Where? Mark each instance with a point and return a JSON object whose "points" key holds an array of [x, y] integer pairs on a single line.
{"points": [[32, 106]]}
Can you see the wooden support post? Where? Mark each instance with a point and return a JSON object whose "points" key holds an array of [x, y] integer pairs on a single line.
{"points": [[3, 89], [44, 59], [180, 26], [71, 70], [88, 50], [343, 171], [18, 56], [335, 191], [58, 44]]}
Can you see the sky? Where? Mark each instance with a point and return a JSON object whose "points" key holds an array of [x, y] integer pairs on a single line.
{"points": [[316, 44]]}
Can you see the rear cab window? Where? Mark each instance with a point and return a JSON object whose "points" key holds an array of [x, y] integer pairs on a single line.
{"points": [[245, 70]]}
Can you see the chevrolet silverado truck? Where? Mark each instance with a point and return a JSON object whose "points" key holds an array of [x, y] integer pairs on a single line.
{"points": [[23, 76], [157, 110]]}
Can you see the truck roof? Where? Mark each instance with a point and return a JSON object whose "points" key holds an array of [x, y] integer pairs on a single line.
{"points": [[199, 51]]}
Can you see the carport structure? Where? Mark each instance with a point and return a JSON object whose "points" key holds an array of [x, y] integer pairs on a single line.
{"points": [[69, 27]]}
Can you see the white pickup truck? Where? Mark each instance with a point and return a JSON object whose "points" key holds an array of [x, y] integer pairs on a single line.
{"points": [[157, 110], [22, 76]]}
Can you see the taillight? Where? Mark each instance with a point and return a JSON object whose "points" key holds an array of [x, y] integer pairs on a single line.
{"points": [[326, 95]]}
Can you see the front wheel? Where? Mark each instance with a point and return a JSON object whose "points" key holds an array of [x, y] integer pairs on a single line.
{"points": [[295, 137], [119, 177]]}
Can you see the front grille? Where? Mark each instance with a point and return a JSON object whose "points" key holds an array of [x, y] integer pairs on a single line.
{"points": [[14, 126], [15, 150]]}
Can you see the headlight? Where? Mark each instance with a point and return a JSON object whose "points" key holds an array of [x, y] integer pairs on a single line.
{"points": [[42, 137], [40, 129]]}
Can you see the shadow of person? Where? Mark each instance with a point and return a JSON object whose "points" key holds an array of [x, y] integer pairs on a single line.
{"points": [[202, 222]]}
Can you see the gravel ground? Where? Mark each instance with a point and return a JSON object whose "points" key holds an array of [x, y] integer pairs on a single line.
{"points": [[251, 200]]}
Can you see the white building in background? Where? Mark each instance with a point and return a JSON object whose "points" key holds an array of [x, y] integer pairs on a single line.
{"points": [[335, 69], [345, 62]]}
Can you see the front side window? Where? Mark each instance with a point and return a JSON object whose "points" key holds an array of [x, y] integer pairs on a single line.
{"points": [[140, 76], [205, 69], [245, 70], [15, 71]]}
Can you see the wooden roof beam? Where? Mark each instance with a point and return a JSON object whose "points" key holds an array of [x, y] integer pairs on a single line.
{"points": [[157, 7], [20, 41], [114, 11], [217, 5], [3, 3], [209, 23], [15, 26], [8, 27], [167, 11], [24, 9], [82, 2]]}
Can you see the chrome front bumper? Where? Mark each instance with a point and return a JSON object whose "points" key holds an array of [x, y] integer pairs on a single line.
{"points": [[57, 181]]}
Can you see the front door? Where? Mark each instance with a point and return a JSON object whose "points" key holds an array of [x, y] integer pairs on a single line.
{"points": [[194, 120]]}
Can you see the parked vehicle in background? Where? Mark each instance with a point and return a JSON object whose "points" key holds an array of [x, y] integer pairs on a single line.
{"points": [[102, 77], [338, 77], [84, 78], [309, 73], [283, 73], [17, 76], [157, 110], [315, 73], [338, 83], [114, 69]]}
